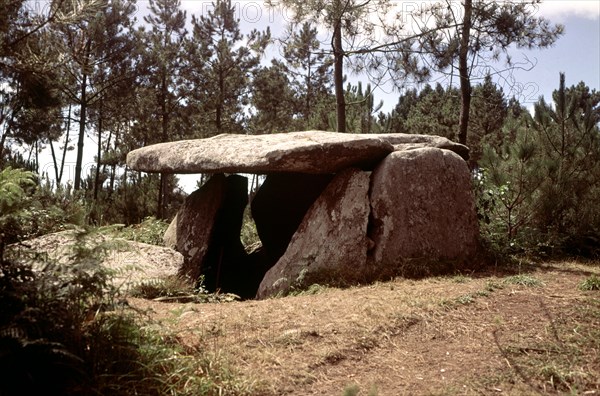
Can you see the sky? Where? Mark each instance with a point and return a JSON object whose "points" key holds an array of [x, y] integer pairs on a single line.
{"points": [[576, 53]]}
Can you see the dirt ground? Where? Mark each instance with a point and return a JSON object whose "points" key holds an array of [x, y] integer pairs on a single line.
{"points": [[490, 333]]}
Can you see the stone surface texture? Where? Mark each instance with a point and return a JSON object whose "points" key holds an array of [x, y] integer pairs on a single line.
{"points": [[335, 208], [330, 245], [422, 209], [302, 152]]}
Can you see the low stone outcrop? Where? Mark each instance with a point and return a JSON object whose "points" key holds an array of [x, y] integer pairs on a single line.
{"points": [[422, 211], [330, 246], [130, 262], [301, 152]]}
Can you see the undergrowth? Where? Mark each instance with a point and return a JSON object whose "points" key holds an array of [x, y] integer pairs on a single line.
{"points": [[177, 289], [591, 283], [149, 231], [65, 330]]}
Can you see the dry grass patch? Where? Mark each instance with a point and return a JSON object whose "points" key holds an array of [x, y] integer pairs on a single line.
{"points": [[446, 335]]}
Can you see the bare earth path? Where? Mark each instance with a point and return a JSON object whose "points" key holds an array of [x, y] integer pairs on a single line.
{"points": [[484, 334]]}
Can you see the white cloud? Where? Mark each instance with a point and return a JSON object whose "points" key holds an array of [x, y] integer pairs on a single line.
{"points": [[559, 10]]}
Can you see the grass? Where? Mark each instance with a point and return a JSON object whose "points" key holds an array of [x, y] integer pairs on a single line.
{"points": [[150, 231], [490, 287], [354, 390], [591, 283], [565, 360], [177, 289], [523, 280]]}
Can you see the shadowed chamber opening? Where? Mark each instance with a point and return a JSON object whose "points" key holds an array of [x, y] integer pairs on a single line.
{"points": [[266, 227]]}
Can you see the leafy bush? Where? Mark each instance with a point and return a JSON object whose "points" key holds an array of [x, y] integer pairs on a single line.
{"points": [[43, 326], [28, 209], [64, 330], [13, 202]]}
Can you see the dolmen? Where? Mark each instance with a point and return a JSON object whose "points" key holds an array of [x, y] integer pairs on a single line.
{"points": [[334, 209]]}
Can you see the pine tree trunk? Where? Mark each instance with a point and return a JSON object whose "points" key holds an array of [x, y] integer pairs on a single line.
{"points": [[162, 196], [64, 153], [82, 122], [463, 69], [99, 156], [338, 74], [54, 160]]}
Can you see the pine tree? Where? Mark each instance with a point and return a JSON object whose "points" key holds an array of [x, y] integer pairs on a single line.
{"points": [[352, 25], [273, 101], [476, 34], [362, 109], [309, 68], [435, 112], [487, 114], [232, 58], [89, 48], [542, 186], [570, 140], [162, 83]]}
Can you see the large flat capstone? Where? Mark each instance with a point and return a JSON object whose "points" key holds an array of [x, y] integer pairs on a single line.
{"points": [[316, 152]]}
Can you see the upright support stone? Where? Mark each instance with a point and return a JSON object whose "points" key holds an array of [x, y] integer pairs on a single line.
{"points": [[423, 214], [225, 266], [330, 245], [206, 231], [191, 230]]}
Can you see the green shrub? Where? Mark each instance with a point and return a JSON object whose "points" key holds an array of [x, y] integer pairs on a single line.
{"points": [[538, 192], [14, 202], [28, 209]]}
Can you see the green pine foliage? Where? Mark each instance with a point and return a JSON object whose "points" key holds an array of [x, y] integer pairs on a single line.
{"points": [[540, 190], [433, 111]]}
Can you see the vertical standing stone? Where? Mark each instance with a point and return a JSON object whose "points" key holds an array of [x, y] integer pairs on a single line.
{"points": [[206, 230], [422, 212], [330, 245], [191, 230]]}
